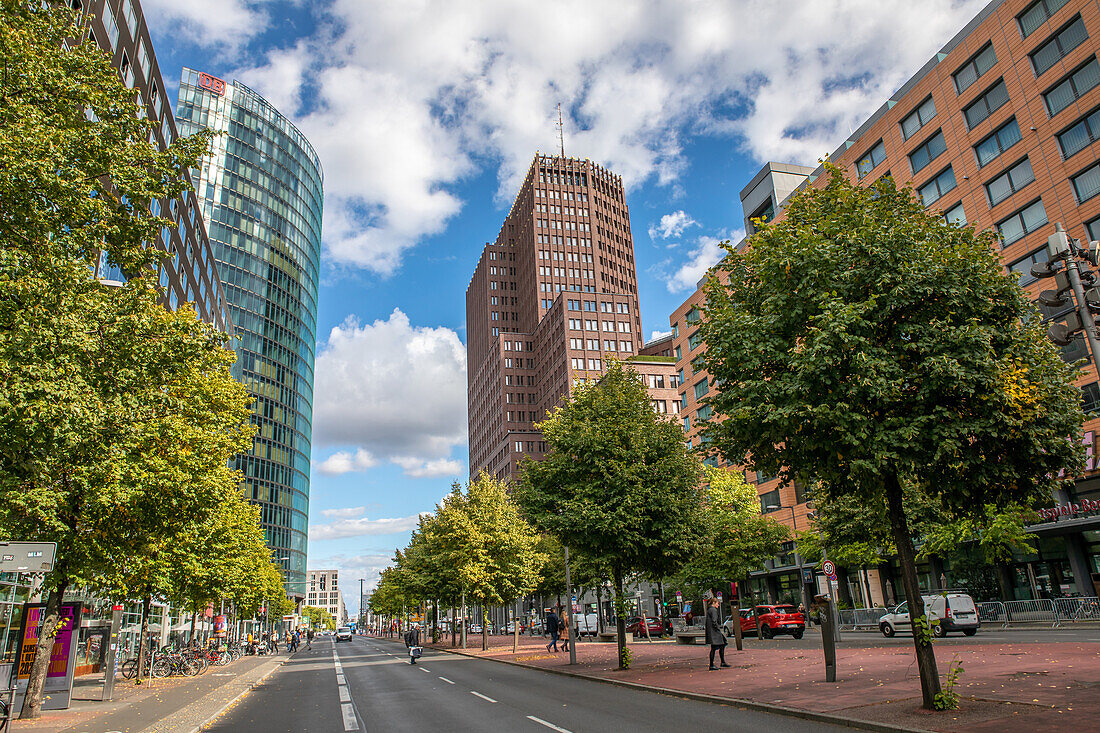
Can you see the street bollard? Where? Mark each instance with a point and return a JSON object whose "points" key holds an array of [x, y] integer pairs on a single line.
{"points": [[828, 644]]}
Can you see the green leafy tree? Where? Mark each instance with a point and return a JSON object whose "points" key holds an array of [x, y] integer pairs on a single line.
{"points": [[319, 618], [618, 484], [864, 342], [736, 538], [98, 381], [493, 549]]}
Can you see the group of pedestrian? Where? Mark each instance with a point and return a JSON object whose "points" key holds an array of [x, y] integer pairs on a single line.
{"points": [[557, 625]]}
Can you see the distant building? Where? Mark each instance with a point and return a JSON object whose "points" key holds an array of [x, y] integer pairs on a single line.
{"points": [[324, 592], [550, 301], [260, 190]]}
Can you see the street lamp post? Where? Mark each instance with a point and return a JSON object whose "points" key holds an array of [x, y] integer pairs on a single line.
{"points": [[361, 605]]}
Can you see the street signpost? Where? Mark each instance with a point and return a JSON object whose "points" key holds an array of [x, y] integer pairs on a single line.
{"points": [[27, 557], [828, 568]]}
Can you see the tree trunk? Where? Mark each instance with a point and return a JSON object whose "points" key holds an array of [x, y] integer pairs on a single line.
{"points": [[484, 627], [143, 648], [435, 622], [515, 628], [454, 627], [32, 701], [1004, 580], [191, 636], [463, 619], [922, 637], [599, 607], [620, 616]]}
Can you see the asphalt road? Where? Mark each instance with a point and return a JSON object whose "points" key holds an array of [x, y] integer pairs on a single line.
{"points": [[369, 685]]}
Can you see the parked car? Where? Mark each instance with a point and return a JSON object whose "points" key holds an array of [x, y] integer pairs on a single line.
{"points": [[588, 624], [510, 628], [634, 626], [772, 620], [946, 612], [343, 634]]}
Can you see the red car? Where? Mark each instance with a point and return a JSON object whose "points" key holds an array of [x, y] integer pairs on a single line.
{"points": [[772, 620], [634, 626]]}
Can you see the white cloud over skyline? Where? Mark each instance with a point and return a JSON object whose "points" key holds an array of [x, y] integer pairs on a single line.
{"points": [[362, 527], [671, 225], [409, 98], [394, 391]]}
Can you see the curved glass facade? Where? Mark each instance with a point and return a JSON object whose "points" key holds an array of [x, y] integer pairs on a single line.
{"points": [[261, 194]]}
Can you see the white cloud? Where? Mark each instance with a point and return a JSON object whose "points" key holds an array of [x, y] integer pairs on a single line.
{"points": [[671, 225], [409, 97], [659, 335], [362, 527], [705, 254], [368, 566], [207, 22], [355, 511], [345, 462], [395, 391], [416, 468]]}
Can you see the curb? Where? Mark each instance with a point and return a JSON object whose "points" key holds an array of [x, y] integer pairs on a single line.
{"points": [[201, 726], [714, 699]]}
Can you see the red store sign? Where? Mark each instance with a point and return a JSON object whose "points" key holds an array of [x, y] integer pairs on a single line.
{"points": [[213, 83]]}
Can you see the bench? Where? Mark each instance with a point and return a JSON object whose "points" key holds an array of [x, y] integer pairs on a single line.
{"points": [[609, 636], [690, 637]]}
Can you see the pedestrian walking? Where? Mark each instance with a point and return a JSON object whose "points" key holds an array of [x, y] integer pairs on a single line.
{"points": [[564, 631], [309, 639], [553, 625], [714, 635], [412, 641]]}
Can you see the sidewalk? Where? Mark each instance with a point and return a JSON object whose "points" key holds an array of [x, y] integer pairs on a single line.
{"points": [[1014, 686], [178, 704]]}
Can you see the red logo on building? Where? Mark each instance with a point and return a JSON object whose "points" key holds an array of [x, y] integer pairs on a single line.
{"points": [[213, 83]]}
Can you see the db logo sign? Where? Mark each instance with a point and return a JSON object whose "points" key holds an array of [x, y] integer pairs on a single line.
{"points": [[213, 83]]}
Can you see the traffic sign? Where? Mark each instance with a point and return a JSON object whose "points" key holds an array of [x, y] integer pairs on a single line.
{"points": [[27, 557], [828, 567], [679, 597], [832, 577]]}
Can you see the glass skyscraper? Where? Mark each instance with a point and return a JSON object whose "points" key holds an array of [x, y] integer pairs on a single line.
{"points": [[260, 191]]}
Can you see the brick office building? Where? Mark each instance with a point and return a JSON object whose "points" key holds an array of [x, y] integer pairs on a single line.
{"points": [[189, 274], [551, 299], [997, 130]]}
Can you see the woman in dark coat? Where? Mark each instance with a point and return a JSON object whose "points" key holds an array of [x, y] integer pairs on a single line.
{"points": [[714, 635]]}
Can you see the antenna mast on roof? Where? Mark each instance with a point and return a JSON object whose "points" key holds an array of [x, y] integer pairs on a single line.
{"points": [[561, 132]]}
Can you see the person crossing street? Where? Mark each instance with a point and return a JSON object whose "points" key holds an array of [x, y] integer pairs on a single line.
{"points": [[412, 641]]}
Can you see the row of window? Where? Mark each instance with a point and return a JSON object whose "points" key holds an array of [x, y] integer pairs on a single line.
{"points": [[605, 306], [578, 324]]}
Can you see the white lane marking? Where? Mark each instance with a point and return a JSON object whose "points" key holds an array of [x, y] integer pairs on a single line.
{"points": [[344, 695], [340, 680], [446, 680], [425, 669], [483, 697], [540, 721], [350, 723]]}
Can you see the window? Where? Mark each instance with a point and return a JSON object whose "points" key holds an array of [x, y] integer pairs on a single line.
{"points": [[955, 215], [1081, 135], [1094, 229], [1036, 14], [926, 153], [701, 388], [868, 162], [694, 340], [1023, 222], [1087, 184], [594, 364], [992, 100], [770, 501], [676, 405], [659, 406], [678, 379], [1023, 265], [918, 118], [657, 381], [1009, 182], [1003, 138], [931, 192], [1068, 38], [1070, 89], [704, 412], [1090, 397], [973, 69]]}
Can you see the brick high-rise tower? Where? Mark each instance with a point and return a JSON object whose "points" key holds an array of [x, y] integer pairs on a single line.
{"points": [[551, 299]]}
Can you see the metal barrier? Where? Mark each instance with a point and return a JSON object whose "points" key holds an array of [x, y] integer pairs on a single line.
{"points": [[1041, 611], [1083, 608], [993, 612], [857, 618]]}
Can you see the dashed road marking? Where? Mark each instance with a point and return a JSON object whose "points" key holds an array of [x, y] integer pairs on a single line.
{"points": [[551, 726], [348, 713], [446, 680], [425, 669], [483, 697], [340, 680], [345, 696]]}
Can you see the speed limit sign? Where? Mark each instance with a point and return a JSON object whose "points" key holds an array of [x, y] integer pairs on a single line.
{"points": [[828, 567]]}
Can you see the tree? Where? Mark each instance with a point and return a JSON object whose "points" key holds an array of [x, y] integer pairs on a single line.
{"points": [[319, 618], [98, 381], [617, 484], [492, 549], [867, 343], [736, 538]]}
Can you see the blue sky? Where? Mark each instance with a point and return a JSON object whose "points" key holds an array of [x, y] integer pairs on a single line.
{"points": [[426, 114]]}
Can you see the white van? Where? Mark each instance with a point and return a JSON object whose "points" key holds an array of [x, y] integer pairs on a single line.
{"points": [[588, 624], [953, 611]]}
